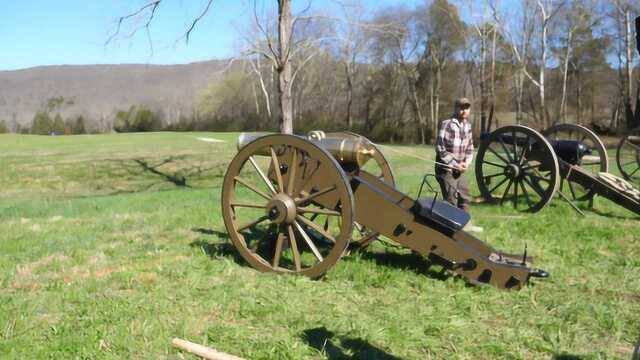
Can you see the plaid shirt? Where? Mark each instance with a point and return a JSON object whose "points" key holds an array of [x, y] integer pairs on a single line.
{"points": [[455, 143]]}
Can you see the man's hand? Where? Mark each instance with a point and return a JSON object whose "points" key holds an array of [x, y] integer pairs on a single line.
{"points": [[462, 167]]}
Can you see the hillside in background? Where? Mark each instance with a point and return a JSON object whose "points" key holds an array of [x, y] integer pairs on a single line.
{"points": [[98, 91]]}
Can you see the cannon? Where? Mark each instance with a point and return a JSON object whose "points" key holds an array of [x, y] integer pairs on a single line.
{"points": [[628, 156], [518, 165], [290, 205]]}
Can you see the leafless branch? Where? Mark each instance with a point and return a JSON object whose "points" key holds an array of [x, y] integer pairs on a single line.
{"points": [[153, 5], [196, 20]]}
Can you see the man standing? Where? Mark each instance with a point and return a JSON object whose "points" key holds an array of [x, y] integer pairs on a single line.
{"points": [[454, 148]]}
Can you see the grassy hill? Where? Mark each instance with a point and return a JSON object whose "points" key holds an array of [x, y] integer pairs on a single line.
{"points": [[102, 258]]}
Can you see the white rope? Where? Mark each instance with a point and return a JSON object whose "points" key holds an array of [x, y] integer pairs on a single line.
{"points": [[417, 157]]}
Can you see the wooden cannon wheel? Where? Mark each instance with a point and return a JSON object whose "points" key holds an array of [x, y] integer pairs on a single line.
{"points": [[277, 192], [594, 163], [517, 164], [628, 156]]}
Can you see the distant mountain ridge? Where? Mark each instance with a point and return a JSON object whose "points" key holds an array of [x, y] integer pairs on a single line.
{"points": [[98, 91]]}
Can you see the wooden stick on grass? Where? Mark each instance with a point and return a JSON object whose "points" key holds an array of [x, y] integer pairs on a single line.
{"points": [[202, 350]]}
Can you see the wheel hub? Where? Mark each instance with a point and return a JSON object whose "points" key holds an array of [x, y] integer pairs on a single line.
{"points": [[512, 171], [281, 209]]}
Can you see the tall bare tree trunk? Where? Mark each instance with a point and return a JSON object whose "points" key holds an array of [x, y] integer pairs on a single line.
{"points": [[483, 79], [437, 94], [543, 62], [519, 79], [285, 25], [565, 71], [578, 98], [493, 78], [349, 74], [629, 69]]}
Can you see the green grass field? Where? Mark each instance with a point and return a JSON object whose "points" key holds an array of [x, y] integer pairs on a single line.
{"points": [[102, 258]]}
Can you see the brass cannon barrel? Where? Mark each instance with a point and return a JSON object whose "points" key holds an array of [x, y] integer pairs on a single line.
{"points": [[347, 148]]}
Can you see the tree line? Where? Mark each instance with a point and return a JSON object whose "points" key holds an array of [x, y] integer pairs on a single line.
{"points": [[393, 73]]}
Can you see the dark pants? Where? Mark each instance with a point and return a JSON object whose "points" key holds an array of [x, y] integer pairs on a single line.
{"points": [[455, 189]]}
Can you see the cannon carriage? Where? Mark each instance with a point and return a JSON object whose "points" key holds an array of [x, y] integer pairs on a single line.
{"points": [[518, 165], [290, 205]]}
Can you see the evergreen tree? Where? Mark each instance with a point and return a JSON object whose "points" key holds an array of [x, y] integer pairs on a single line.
{"points": [[42, 124], [58, 125], [79, 126], [3, 127]]}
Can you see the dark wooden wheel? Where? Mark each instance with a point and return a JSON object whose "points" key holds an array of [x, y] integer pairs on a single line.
{"points": [[517, 165], [277, 195], [628, 156], [595, 162]]}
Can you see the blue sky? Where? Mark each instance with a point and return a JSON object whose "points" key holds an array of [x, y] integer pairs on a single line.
{"points": [[56, 32]]}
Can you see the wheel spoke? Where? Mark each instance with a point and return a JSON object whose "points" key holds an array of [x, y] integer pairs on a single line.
{"points": [[292, 172], [533, 166], [315, 194], [533, 176], [524, 149], [262, 175], [276, 255], [492, 176], [252, 187], [498, 155], [318, 211], [493, 164], [276, 169], [634, 171], [253, 223], [294, 248], [526, 194], [506, 192], [515, 195], [504, 147], [316, 228], [535, 188], [500, 183], [310, 243], [255, 206]]}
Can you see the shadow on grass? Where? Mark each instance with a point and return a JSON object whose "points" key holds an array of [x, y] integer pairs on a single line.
{"points": [[566, 357], [412, 262], [261, 242], [343, 347], [224, 248], [214, 250], [613, 216]]}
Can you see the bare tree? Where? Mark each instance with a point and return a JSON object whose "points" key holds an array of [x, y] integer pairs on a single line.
{"points": [[623, 10], [576, 19], [279, 54]]}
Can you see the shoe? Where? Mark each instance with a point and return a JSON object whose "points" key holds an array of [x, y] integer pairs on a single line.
{"points": [[473, 228]]}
